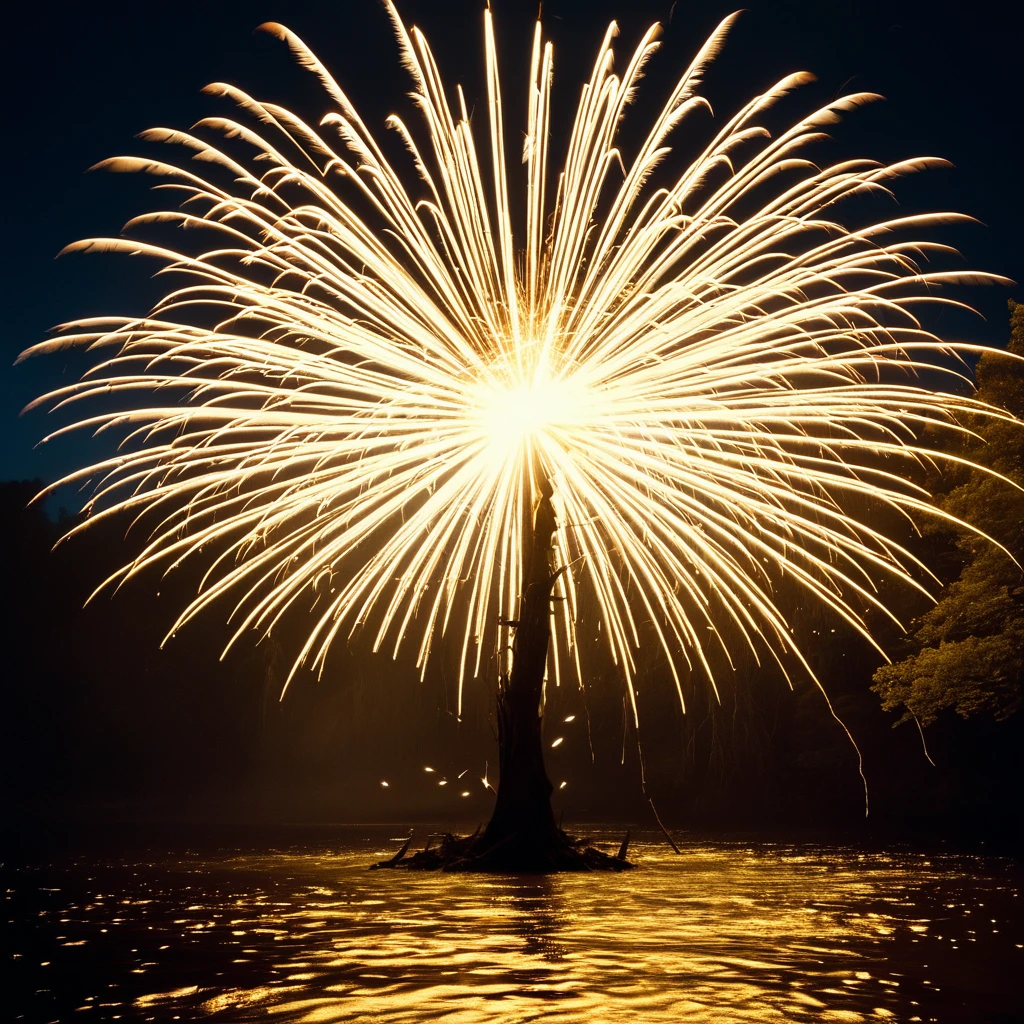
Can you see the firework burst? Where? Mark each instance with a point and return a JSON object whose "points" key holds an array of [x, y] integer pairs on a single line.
{"points": [[356, 384]]}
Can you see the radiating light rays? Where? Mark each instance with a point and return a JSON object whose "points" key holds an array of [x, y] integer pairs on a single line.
{"points": [[346, 398], [521, 408]]}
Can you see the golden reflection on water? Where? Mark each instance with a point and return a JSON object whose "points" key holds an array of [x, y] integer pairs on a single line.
{"points": [[721, 934]]}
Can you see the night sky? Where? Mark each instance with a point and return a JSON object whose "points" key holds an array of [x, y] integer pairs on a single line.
{"points": [[80, 86]]}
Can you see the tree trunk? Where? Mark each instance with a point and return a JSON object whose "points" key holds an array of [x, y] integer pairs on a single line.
{"points": [[522, 832]]}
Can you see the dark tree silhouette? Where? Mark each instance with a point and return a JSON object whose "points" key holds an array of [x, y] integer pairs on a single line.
{"points": [[521, 834], [967, 652]]}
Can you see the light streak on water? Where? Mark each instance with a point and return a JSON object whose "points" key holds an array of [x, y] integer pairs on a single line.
{"points": [[728, 932]]}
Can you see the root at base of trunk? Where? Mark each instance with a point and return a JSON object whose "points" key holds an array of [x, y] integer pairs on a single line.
{"points": [[473, 853]]}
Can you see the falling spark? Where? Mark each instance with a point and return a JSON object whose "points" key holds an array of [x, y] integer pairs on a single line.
{"points": [[569, 718], [463, 772], [428, 769], [465, 792], [384, 783], [562, 785], [557, 743], [485, 781], [443, 782], [348, 394]]}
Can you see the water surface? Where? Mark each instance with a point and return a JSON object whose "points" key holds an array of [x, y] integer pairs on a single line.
{"points": [[728, 932]]}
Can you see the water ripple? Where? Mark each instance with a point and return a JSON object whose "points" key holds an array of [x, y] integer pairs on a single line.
{"points": [[724, 933]]}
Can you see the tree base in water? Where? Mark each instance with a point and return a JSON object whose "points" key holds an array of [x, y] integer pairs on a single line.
{"points": [[522, 835], [469, 854]]}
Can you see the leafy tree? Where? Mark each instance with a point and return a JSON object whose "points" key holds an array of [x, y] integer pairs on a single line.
{"points": [[967, 652]]}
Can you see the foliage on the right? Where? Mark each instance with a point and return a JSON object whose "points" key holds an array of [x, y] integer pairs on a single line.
{"points": [[967, 652]]}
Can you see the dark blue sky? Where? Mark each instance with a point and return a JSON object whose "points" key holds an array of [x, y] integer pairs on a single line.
{"points": [[80, 87]]}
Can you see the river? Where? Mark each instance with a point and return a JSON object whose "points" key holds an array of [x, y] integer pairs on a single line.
{"points": [[738, 931]]}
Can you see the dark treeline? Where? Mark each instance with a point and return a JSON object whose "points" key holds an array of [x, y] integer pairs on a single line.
{"points": [[102, 725]]}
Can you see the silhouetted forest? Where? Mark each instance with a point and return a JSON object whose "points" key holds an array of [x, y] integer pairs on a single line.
{"points": [[102, 725]]}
